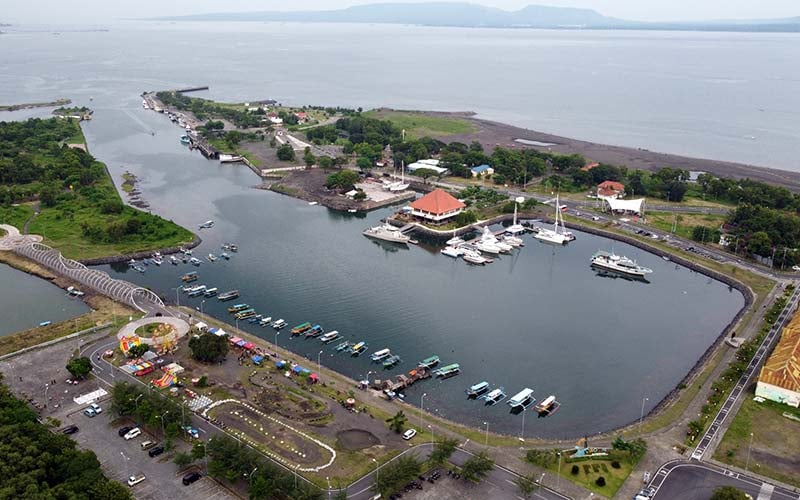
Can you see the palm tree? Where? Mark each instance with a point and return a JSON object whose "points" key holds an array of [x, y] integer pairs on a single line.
{"points": [[397, 422]]}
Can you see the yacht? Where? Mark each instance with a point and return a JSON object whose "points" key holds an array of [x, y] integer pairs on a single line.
{"points": [[619, 264], [490, 238], [173, 260], [475, 257], [454, 252], [486, 246], [514, 241], [387, 232]]}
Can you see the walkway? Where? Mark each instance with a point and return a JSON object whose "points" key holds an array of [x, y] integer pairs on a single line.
{"points": [[14, 239]]}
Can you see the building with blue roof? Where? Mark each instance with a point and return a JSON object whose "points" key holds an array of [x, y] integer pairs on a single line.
{"points": [[482, 170]]}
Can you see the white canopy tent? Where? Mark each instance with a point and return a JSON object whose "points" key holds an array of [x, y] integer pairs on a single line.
{"points": [[632, 206]]}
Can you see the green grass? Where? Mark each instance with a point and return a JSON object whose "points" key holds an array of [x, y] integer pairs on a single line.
{"points": [[615, 478], [775, 440], [16, 216], [685, 222], [419, 125]]}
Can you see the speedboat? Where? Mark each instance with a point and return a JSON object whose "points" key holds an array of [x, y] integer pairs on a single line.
{"points": [[475, 257], [329, 337], [195, 261], [488, 247]]}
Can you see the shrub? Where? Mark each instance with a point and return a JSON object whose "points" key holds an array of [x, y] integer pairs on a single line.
{"points": [[575, 470], [600, 481], [615, 464]]}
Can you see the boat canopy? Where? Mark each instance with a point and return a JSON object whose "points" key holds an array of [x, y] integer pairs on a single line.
{"points": [[521, 397]]}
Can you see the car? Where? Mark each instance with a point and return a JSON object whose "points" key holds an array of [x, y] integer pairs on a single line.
{"points": [[154, 452], [132, 433], [191, 477], [70, 429], [146, 445], [410, 433], [136, 479], [795, 268], [96, 408], [89, 412], [595, 218], [124, 430], [109, 353]]}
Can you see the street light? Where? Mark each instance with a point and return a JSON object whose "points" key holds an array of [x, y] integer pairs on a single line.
{"points": [[377, 471], [421, 407], [641, 416], [250, 476], [433, 438], [522, 434], [486, 441], [329, 485], [558, 476], [319, 363], [276, 335], [46, 387], [161, 417], [747, 464], [295, 475], [136, 402], [540, 483], [201, 306]]}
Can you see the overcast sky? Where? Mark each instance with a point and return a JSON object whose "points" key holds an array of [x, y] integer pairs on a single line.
{"points": [[105, 11]]}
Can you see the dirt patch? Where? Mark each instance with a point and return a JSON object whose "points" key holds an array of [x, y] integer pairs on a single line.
{"points": [[356, 439]]}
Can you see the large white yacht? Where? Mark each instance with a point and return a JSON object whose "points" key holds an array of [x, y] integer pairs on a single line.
{"points": [[619, 264], [387, 232]]}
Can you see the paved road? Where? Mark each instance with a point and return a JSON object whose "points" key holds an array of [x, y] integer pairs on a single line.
{"points": [[696, 481]]}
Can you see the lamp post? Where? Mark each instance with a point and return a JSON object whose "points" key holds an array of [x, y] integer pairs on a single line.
{"points": [[433, 438], [46, 387], [201, 307], [747, 464], [276, 336], [161, 417], [136, 402], [250, 476], [421, 407], [295, 475], [522, 434], [486, 440], [558, 476], [319, 363], [377, 471], [641, 415], [368, 374], [329, 485], [540, 483]]}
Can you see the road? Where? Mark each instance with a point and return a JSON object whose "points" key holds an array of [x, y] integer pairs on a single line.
{"points": [[696, 481]]}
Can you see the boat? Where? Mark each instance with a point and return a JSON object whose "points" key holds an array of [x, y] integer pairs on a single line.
{"points": [[234, 248], [132, 262], [238, 307], [665, 257], [494, 396], [358, 348], [351, 210], [387, 232], [301, 328], [455, 241], [429, 362], [514, 229], [210, 292], [487, 246], [230, 295], [546, 404], [619, 264], [74, 292], [278, 324], [225, 256], [139, 268], [329, 337], [199, 290], [474, 257], [158, 261], [245, 314], [313, 203], [454, 252], [448, 371], [391, 361], [379, 355], [227, 158], [514, 241], [265, 321], [523, 399], [173, 260], [207, 224], [343, 346], [557, 235], [189, 277], [185, 139], [212, 257], [476, 390], [195, 261], [186, 251], [314, 331], [253, 319], [45, 323], [489, 238]]}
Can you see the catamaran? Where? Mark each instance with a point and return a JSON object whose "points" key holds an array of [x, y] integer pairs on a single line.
{"points": [[343, 346], [265, 321], [429, 362], [357, 349], [379, 355], [619, 264], [494, 396], [278, 324], [301, 328], [557, 235], [391, 361], [523, 399], [314, 331], [329, 337], [448, 371], [548, 406], [476, 390], [210, 292], [387, 232]]}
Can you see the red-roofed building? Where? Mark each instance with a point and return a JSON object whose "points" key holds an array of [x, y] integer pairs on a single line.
{"points": [[437, 206], [611, 189]]}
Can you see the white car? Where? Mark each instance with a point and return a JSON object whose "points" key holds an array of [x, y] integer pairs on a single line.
{"points": [[795, 268], [134, 480], [132, 433], [409, 434], [96, 408]]}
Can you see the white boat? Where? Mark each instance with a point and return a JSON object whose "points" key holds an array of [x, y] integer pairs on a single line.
{"points": [[379, 355], [455, 241], [387, 232], [225, 256], [226, 158], [488, 247], [267, 320], [475, 257], [452, 252], [489, 238], [514, 241], [523, 398], [619, 264], [212, 257], [158, 260], [558, 235], [279, 324], [494, 396], [515, 229], [397, 186], [195, 261], [173, 260], [207, 224], [329, 337]]}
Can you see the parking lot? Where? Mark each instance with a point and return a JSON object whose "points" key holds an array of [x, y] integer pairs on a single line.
{"points": [[449, 488]]}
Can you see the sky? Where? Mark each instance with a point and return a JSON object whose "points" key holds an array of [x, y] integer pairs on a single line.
{"points": [[107, 11]]}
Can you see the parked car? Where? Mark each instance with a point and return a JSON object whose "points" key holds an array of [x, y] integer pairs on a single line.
{"points": [[89, 412], [70, 429], [410, 433], [96, 408], [146, 445], [136, 479], [124, 430], [154, 452], [132, 433], [191, 477]]}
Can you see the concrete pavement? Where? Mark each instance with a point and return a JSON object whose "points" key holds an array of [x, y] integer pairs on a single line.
{"points": [[697, 481]]}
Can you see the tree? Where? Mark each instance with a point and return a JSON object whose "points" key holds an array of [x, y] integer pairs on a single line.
{"points": [[759, 244], [138, 351], [526, 485], [342, 179], [364, 164], [465, 218], [209, 348], [360, 196], [79, 367], [325, 162], [182, 459], [397, 473], [233, 138], [442, 450], [398, 422], [477, 467], [286, 152], [728, 493], [424, 173]]}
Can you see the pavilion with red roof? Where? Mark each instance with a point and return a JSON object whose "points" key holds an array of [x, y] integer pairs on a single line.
{"points": [[437, 206]]}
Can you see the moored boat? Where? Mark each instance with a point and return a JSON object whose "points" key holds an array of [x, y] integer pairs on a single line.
{"points": [[452, 252], [379, 355], [357, 349], [278, 324], [494, 396], [476, 390], [387, 232], [210, 292], [245, 314], [212, 257], [547, 404], [173, 260], [265, 321], [619, 264], [329, 337], [189, 277], [429, 362], [238, 307], [314, 331], [197, 291], [302, 327], [225, 256], [448, 371], [230, 295], [195, 261], [343, 346], [523, 399], [391, 361]]}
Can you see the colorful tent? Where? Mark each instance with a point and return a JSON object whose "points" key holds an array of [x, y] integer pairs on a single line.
{"points": [[257, 359], [167, 380], [241, 343], [314, 378], [249, 346], [126, 343], [234, 340]]}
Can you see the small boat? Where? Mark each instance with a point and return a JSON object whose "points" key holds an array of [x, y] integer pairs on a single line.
{"points": [[185, 139], [352, 210], [158, 261], [477, 389], [184, 259], [379, 355], [665, 257], [329, 337], [207, 224], [45, 323], [238, 307], [212, 257], [391, 361], [234, 248], [186, 251], [132, 262], [279, 324], [173, 260], [195, 261], [210, 292], [139, 268], [265, 321], [198, 290], [358, 348], [429, 362], [225, 256], [475, 257], [314, 331], [245, 314], [302, 327], [313, 203], [343, 346], [547, 404], [253, 319], [228, 295], [74, 292], [523, 399], [448, 371], [494, 396], [225, 158]]}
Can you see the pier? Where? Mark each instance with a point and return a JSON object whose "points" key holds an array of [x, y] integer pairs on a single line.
{"points": [[192, 89]]}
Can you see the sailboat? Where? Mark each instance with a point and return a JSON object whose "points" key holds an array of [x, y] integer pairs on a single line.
{"points": [[554, 235], [399, 186], [515, 228]]}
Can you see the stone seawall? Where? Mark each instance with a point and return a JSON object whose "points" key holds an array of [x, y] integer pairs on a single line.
{"points": [[139, 255]]}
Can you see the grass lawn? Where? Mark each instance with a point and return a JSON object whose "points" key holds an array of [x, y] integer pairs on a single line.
{"points": [[590, 470], [775, 439], [419, 125], [149, 329], [685, 222], [16, 216]]}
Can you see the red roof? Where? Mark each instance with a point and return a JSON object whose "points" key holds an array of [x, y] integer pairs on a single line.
{"points": [[437, 202], [612, 185], [590, 166]]}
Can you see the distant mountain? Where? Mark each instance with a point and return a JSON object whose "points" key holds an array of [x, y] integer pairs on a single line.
{"points": [[472, 15]]}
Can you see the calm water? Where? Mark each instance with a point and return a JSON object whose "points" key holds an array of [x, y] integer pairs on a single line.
{"points": [[26, 301], [732, 96], [540, 318]]}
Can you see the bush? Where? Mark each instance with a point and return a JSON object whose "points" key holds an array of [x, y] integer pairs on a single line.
{"points": [[600, 481], [575, 470], [615, 464]]}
